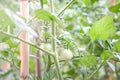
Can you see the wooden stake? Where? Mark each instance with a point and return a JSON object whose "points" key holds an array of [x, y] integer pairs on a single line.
{"points": [[38, 67], [112, 2], [24, 48]]}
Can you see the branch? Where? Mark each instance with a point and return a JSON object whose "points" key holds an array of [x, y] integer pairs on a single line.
{"points": [[41, 3], [65, 7], [29, 43], [96, 70]]}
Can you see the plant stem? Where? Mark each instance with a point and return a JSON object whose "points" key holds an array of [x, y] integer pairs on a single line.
{"points": [[54, 42], [49, 63], [31, 44], [58, 67], [96, 70], [65, 7], [41, 3]]}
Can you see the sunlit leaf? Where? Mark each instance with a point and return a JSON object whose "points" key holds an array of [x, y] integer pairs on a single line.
{"points": [[117, 46], [115, 8], [102, 29], [3, 37], [5, 21], [44, 15], [11, 43], [88, 60], [19, 22], [106, 55], [93, 1], [87, 2]]}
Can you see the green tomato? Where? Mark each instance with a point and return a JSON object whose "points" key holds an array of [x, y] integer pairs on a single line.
{"points": [[65, 54], [46, 47], [60, 31]]}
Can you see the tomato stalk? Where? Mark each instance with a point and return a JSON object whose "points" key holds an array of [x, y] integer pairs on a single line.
{"points": [[96, 70], [24, 48], [55, 57], [65, 7], [41, 3]]}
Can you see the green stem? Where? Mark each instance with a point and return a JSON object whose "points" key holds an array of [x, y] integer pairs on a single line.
{"points": [[65, 7], [58, 67], [4, 59], [53, 40], [41, 3], [49, 63], [74, 57], [54, 43], [96, 70], [31, 44]]}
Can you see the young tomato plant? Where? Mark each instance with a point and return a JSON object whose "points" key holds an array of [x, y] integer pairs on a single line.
{"points": [[68, 39]]}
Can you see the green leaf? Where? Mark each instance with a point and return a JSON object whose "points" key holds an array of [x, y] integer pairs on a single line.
{"points": [[49, 75], [3, 37], [69, 27], [93, 1], [105, 55], [5, 53], [33, 49], [45, 1], [86, 2], [88, 60], [102, 29], [115, 8], [117, 46], [11, 43], [32, 64], [5, 21], [44, 15], [47, 16]]}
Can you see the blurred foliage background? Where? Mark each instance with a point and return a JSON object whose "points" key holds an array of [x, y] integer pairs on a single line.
{"points": [[90, 29]]}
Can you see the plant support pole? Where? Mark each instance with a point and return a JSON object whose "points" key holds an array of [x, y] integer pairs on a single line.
{"points": [[24, 48]]}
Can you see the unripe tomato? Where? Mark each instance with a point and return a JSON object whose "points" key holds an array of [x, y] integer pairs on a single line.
{"points": [[46, 47], [65, 54], [60, 31]]}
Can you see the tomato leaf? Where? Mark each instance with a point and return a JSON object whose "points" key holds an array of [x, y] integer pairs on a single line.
{"points": [[5, 21], [106, 55], [44, 15], [88, 60], [115, 8], [3, 37], [117, 46], [102, 29]]}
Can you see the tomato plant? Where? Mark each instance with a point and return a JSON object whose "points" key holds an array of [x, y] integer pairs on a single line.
{"points": [[67, 40]]}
